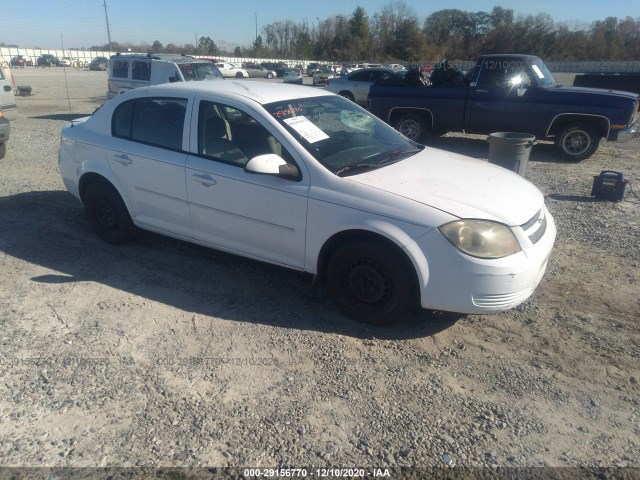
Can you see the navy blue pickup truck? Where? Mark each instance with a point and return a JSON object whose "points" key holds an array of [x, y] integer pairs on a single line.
{"points": [[511, 93]]}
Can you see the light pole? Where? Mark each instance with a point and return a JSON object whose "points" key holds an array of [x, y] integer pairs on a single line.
{"points": [[108, 31]]}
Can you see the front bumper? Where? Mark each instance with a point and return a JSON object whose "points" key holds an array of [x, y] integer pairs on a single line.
{"points": [[457, 282], [629, 133]]}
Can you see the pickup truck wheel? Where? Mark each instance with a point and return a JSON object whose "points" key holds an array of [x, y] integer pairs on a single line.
{"points": [[347, 95], [411, 126], [577, 142], [3, 149], [107, 213], [370, 282]]}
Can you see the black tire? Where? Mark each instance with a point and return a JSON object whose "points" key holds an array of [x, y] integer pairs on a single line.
{"points": [[412, 126], [577, 142], [239, 75], [269, 76], [107, 213], [371, 282], [347, 95], [3, 149]]}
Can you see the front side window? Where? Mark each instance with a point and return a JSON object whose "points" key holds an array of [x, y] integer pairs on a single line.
{"points": [[340, 135], [153, 121], [120, 69], [199, 71], [233, 136]]}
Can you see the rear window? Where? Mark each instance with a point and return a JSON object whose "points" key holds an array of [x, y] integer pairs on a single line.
{"points": [[141, 70], [120, 69]]}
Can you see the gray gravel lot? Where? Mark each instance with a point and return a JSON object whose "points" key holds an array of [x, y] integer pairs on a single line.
{"points": [[162, 353]]}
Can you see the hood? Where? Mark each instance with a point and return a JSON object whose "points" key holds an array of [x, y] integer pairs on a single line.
{"points": [[595, 91], [459, 185]]}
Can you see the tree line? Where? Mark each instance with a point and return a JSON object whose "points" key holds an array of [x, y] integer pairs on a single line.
{"points": [[396, 34]]}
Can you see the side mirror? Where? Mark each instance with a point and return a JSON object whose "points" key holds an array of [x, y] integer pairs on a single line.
{"points": [[272, 164]]}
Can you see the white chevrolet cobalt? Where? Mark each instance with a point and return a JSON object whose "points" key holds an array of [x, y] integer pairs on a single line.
{"points": [[309, 180]]}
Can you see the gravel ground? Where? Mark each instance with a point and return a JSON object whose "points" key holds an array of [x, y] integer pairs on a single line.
{"points": [[162, 353]]}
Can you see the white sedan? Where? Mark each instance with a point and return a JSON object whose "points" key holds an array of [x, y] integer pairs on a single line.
{"points": [[308, 180], [231, 70]]}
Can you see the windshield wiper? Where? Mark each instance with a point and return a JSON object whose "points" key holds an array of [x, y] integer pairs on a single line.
{"points": [[357, 167], [396, 156]]}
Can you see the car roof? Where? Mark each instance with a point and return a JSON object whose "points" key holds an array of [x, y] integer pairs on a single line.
{"points": [[261, 92]]}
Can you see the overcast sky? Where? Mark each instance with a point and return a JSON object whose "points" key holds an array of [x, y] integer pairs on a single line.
{"points": [[81, 23]]}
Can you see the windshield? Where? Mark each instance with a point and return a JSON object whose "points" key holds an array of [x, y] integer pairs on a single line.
{"points": [[342, 136], [543, 76], [199, 71]]}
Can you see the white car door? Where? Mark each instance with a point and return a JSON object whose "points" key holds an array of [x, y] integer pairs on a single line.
{"points": [[148, 158], [256, 215]]}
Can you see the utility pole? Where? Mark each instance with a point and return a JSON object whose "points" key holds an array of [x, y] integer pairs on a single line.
{"points": [[256, 14], [107, 17]]}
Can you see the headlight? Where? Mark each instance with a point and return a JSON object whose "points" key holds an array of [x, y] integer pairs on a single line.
{"points": [[481, 238]]}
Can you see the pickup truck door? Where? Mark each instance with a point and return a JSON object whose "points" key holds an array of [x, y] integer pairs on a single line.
{"points": [[504, 108]]}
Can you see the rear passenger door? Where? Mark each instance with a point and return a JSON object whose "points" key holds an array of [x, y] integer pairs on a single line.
{"points": [[148, 158], [255, 215]]}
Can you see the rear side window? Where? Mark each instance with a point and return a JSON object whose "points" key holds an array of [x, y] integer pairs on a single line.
{"points": [[153, 121], [141, 70], [120, 69]]}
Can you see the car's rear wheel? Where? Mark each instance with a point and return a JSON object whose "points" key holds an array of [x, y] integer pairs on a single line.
{"points": [[577, 142], [412, 126], [107, 213], [269, 76], [239, 75], [371, 282], [347, 95]]}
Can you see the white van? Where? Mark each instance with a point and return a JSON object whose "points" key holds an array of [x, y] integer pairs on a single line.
{"points": [[8, 109], [132, 71]]}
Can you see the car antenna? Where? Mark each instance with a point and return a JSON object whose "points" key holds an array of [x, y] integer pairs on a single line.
{"points": [[66, 84]]}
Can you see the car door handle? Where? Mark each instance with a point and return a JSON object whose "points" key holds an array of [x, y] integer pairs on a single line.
{"points": [[124, 159], [204, 179]]}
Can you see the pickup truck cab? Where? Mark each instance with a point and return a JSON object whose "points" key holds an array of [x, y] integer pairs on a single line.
{"points": [[515, 93]]}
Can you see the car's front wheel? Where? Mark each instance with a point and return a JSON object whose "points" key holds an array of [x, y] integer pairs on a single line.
{"points": [[371, 282], [269, 76], [577, 142], [107, 213]]}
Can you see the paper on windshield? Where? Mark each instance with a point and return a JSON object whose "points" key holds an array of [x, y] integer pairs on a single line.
{"points": [[538, 71], [306, 129]]}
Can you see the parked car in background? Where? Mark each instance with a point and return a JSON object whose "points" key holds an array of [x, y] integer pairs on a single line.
{"points": [[355, 85], [293, 75], [127, 72], [65, 62], [322, 76], [395, 66], [304, 179], [258, 71], [278, 67], [313, 68], [8, 109], [99, 63], [47, 60], [231, 70], [21, 61]]}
